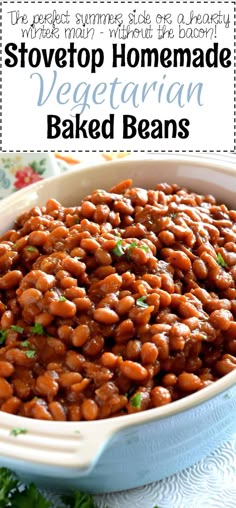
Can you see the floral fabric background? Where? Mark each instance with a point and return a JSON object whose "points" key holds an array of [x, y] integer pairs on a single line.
{"points": [[21, 169]]}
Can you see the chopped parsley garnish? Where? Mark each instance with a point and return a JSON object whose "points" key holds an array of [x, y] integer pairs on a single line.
{"points": [[118, 249], [62, 299], [129, 249], [79, 500], [38, 329], [25, 343], [132, 245], [144, 247], [220, 260], [16, 495], [173, 215], [3, 335], [31, 248], [17, 329], [77, 221], [203, 336], [18, 431], [136, 400], [141, 302], [30, 353]]}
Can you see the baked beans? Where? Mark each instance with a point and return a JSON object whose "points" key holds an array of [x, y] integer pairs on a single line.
{"points": [[123, 303]]}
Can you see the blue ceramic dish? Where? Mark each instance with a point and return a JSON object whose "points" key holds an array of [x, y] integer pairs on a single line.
{"points": [[128, 451]]}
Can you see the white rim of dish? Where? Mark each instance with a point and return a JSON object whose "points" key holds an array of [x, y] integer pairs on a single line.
{"points": [[57, 443]]}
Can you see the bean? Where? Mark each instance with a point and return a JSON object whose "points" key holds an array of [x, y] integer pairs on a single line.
{"points": [[80, 335], [160, 396], [144, 402], [94, 346], [51, 205], [45, 282], [167, 238], [180, 329], [80, 387], [109, 360], [68, 283], [83, 304], [40, 412], [38, 238], [106, 316], [89, 244], [200, 269], [221, 319], [6, 369], [7, 319], [57, 411], [29, 296], [169, 380], [15, 355], [121, 187], [111, 283], [133, 370], [89, 409], [165, 298], [12, 405], [69, 378], [124, 305], [65, 309], [44, 318], [47, 386], [74, 413], [162, 343], [133, 349], [6, 389], [74, 361], [225, 365], [149, 353], [88, 209], [180, 260], [10, 279], [188, 310], [73, 266], [189, 382], [102, 257]]}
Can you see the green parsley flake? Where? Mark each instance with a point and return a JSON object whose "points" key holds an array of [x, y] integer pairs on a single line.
{"points": [[31, 248], [141, 302], [136, 400], [18, 431], [30, 354], [77, 221], [144, 247], [132, 245], [17, 329], [38, 329], [3, 335], [220, 260], [118, 249], [25, 343], [62, 299], [130, 248]]}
